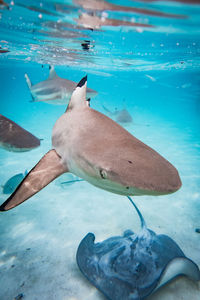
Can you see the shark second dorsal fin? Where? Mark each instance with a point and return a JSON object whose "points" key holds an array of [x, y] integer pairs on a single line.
{"points": [[78, 97], [52, 72]]}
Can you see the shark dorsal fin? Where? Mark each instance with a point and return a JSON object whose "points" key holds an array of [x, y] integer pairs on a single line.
{"points": [[52, 73], [78, 98]]}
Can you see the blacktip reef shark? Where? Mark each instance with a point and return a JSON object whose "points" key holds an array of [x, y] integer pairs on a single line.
{"points": [[15, 138], [133, 266], [97, 149], [54, 90]]}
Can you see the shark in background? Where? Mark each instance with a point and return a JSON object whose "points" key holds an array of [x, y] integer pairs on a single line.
{"points": [[54, 90], [15, 138]]}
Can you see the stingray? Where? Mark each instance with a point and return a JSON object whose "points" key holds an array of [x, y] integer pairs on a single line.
{"points": [[13, 182], [15, 138], [54, 90], [67, 179], [121, 115], [133, 266], [97, 149]]}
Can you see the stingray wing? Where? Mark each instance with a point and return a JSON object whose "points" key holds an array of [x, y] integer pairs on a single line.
{"points": [[45, 171], [177, 267], [138, 265]]}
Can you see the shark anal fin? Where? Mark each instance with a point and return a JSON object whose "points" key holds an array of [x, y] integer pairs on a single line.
{"points": [[45, 171]]}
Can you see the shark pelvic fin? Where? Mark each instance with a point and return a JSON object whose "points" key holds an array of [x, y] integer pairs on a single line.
{"points": [[45, 171], [78, 97]]}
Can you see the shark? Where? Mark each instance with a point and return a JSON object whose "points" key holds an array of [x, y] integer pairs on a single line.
{"points": [[95, 148], [54, 90], [135, 265], [15, 138], [95, 22], [99, 6]]}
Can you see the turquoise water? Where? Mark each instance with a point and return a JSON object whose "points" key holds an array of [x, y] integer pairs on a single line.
{"points": [[152, 72]]}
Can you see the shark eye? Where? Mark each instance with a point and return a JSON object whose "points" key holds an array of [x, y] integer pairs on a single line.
{"points": [[103, 174]]}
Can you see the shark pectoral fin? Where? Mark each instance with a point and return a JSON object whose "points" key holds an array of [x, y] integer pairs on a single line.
{"points": [[45, 171], [179, 266]]}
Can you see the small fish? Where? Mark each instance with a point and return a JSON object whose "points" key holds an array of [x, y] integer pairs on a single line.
{"points": [[67, 179], [19, 297], [12, 183], [133, 266], [54, 90]]}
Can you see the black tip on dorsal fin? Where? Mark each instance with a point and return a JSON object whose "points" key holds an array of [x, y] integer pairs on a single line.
{"points": [[82, 81]]}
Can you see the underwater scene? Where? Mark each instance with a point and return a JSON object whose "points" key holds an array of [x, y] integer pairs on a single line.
{"points": [[100, 150]]}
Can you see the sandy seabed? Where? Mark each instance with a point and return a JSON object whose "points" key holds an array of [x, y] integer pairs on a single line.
{"points": [[39, 238]]}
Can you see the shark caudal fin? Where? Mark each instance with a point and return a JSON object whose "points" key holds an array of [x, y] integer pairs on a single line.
{"points": [[78, 97], [45, 171], [28, 81]]}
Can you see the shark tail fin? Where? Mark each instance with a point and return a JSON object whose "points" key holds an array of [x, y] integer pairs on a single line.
{"points": [[45, 171], [78, 97], [28, 81]]}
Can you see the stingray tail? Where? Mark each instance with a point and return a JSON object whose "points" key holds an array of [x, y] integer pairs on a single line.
{"points": [[143, 223]]}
